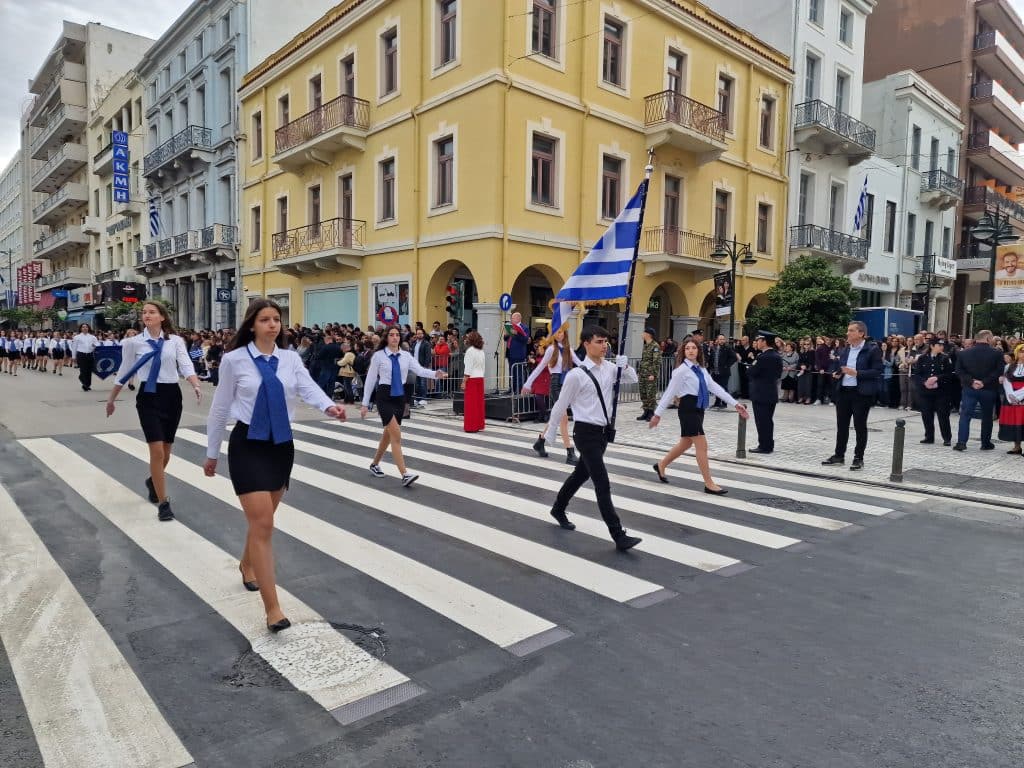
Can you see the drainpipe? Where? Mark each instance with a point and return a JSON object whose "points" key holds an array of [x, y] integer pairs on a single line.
{"points": [[418, 280], [901, 245]]}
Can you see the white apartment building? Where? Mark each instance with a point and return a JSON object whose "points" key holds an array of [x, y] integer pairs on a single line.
{"points": [[10, 226], [913, 193]]}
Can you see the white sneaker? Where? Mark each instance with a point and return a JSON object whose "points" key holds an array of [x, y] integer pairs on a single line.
{"points": [[408, 479], [376, 471], [422, 403]]}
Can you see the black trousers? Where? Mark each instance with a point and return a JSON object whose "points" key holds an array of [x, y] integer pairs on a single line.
{"points": [[86, 362], [934, 404], [722, 379], [590, 444], [850, 403], [764, 418]]}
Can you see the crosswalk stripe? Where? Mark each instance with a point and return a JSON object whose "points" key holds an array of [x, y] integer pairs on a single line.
{"points": [[709, 524], [684, 554], [828, 500], [85, 704], [212, 574], [624, 482], [594, 577], [493, 619]]}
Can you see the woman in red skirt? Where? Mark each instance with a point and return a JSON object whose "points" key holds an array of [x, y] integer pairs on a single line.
{"points": [[473, 383], [1011, 415]]}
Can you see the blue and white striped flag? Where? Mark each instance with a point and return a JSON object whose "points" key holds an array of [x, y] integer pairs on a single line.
{"points": [[603, 276], [154, 217], [862, 207]]}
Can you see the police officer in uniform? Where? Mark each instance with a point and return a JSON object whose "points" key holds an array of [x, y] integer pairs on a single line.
{"points": [[763, 377], [933, 375], [648, 370]]}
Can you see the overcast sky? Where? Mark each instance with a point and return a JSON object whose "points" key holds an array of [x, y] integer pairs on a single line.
{"points": [[29, 28]]}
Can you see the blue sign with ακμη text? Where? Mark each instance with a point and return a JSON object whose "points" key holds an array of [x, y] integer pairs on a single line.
{"points": [[119, 138]]}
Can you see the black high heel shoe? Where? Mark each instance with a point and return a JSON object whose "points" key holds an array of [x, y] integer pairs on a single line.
{"points": [[719, 492], [277, 626], [252, 586], [660, 476]]}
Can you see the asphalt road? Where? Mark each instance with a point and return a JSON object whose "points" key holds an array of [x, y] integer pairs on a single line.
{"points": [[796, 624]]}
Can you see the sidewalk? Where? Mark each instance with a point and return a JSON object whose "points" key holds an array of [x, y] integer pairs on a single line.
{"points": [[805, 436]]}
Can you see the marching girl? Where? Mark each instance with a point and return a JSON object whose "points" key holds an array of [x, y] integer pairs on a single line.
{"points": [[57, 352], [69, 359], [389, 370], [558, 359], [14, 349], [693, 385], [42, 353], [157, 355], [28, 350], [260, 381]]}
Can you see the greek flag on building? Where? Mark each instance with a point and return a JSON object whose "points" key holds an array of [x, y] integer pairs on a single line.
{"points": [[154, 217], [603, 276], [862, 207]]}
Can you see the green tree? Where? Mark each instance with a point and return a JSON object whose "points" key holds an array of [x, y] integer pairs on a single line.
{"points": [[809, 299], [1001, 319]]}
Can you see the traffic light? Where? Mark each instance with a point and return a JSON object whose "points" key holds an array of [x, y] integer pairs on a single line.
{"points": [[452, 299]]}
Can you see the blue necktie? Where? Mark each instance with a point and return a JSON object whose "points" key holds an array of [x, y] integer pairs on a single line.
{"points": [[270, 414], [154, 370], [702, 389], [397, 382]]}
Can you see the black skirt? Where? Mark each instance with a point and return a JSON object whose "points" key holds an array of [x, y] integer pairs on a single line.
{"points": [[14, 354], [390, 407], [58, 353], [691, 418], [258, 465], [159, 412]]}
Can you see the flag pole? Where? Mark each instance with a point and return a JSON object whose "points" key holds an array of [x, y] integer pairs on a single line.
{"points": [[648, 170]]}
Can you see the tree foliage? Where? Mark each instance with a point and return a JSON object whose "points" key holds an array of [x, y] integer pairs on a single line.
{"points": [[809, 300], [1001, 319]]}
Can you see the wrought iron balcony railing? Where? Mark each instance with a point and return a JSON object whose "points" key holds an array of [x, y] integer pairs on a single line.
{"points": [[332, 233], [193, 137], [817, 112], [940, 181], [672, 107], [219, 234], [344, 110], [988, 196], [828, 240]]}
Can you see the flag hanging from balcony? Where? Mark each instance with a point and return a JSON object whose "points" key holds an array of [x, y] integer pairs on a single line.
{"points": [[154, 217], [603, 276], [862, 207]]}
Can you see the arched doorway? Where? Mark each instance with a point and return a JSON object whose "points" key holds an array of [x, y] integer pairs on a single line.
{"points": [[709, 323], [532, 292], [666, 300], [759, 300], [452, 278]]}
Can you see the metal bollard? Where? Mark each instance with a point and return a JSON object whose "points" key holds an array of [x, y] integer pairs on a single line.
{"points": [[898, 438], [741, 438]]}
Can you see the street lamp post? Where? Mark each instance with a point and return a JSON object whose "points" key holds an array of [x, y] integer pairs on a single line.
{"points": [[734, 252], [927, 283], [993, 229], [11, 292]]}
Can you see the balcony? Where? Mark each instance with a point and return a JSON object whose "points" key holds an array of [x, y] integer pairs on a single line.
{"points": [[997, 108], [62, 125], [848, 252], [679, 121], [975, 261], [994, 54], [821, 128], [941, 189], [996, 157], [195, 143], [61, 166], [662, 248], [320, 247], [132, 208], [60, 278], [58, 205], [67, 86], [206, 245], [103, 161], [978, 199], [941, 271], [61, 242], [123, 274], [317, 136], [92, 225], [1000, 15]]}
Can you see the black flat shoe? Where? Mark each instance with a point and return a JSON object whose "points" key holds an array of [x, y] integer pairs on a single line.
{"points": [[277, 626], [252, 586], [719, 492], [153, 498], [832, 460], [660, 476], [164, 512], [538, 446], [563, 521], [625, 542]]}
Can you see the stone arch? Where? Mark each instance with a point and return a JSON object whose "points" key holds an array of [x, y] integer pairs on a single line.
{"points": [[532, 290], [435, 302], [665, 301], [707, 321]]}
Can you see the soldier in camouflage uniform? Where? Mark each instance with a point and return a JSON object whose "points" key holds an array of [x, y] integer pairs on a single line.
{"points": [[648, 370]]}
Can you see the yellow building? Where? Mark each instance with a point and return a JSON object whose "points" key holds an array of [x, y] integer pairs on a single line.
{"points": [[397, 147]]}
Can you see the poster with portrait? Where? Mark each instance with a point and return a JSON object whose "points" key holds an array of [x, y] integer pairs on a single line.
{"points": [[1009, 277], [723, 293], [391, 302]]}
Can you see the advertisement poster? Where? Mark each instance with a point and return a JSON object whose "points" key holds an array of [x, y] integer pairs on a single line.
{"points": [[1009, 282], [391, 300], [723, 293]]}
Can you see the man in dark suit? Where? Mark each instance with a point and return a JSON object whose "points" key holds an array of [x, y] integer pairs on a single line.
{"points": [[978, 369], [763, 380], [517, 344], [721, 358], [422, 351], [857, 383]]}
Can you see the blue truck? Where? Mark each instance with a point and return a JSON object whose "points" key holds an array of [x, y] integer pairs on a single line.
{"points": [[884, 321]]}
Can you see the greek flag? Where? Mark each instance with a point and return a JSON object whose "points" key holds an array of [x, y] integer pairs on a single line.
{"points": [[154, 217], [862, 207], [603, 276]]}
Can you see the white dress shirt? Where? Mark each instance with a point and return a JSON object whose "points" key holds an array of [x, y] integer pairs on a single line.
{"points": [[1014, 397], [851, 362], [579, 393], [556, 368], [474, 362], [684, 382], [84, 343], [380, 371], [173, 358], [53, 344], [240, 382], [17, 345]]}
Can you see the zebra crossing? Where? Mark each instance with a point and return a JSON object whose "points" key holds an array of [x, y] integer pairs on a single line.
{"points": [[389, 588]]}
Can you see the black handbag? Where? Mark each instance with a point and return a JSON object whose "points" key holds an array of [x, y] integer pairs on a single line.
{"points": [[609, 428]]}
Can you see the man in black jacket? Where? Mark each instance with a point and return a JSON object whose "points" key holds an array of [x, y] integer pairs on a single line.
{"points": [[763, 380], [721, 358], [978, 369], [857, 382]]}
